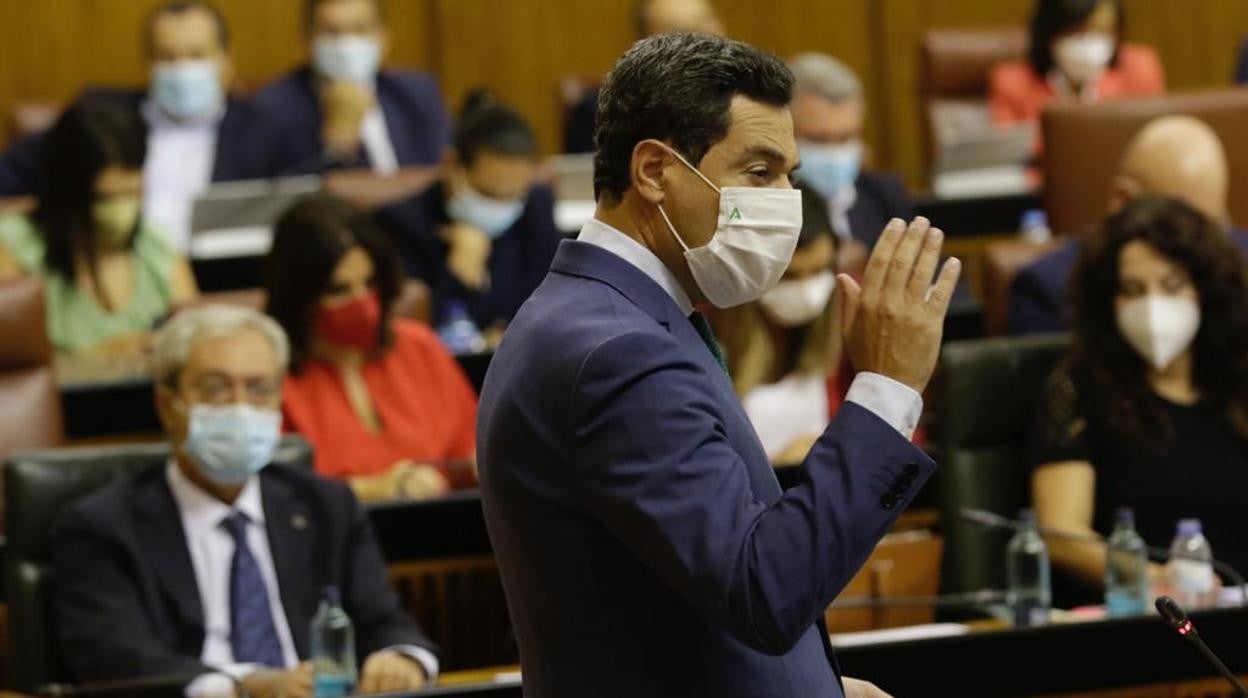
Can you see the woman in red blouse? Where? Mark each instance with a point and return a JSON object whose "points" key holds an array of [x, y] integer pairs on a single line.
{"points": [[378, 397]]}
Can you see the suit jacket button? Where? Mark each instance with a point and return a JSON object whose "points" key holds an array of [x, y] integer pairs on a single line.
{"points": [[889, 501]]}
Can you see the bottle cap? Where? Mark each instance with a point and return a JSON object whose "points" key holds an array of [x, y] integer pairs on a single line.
{"points": [[1027, 516], [1189, 527], [1125, 515], [332, 595], [1035, 218]]}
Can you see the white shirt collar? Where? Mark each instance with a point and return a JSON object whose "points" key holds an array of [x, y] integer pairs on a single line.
{"points": [[204, 512], [626, 248]]}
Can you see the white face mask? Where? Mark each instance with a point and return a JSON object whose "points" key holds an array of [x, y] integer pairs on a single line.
{"points": [[1160, 328], [798, 302], [752, 245], [350, 58], [1084, 57], [230, 443]]}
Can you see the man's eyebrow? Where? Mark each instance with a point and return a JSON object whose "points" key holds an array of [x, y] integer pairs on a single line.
{"points": [[766, 152]]}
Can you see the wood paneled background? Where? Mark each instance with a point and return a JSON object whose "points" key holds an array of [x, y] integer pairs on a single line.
{"points": [[523, 49]]}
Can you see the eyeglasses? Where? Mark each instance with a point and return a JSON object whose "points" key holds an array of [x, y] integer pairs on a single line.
{"points": [[219, 389]]}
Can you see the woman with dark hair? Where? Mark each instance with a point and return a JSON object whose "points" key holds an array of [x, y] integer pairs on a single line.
{"points": [[1150, 411], [108, 277], [1076, 52], [784, 350], [375, 395]]}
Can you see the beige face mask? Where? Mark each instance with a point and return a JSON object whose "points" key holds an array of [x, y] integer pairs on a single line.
{"points": [[115, 220]]}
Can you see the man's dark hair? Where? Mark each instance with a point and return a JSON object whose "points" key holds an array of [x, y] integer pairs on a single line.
{"points": [[179, 7], [1052, 18], [309, 10], [677, 88], [486, 125]]}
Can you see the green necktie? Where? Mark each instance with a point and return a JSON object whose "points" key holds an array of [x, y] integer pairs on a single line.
{"points": [[698, 320]]}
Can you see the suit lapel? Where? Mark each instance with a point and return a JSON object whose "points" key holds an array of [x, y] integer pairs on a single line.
{"points": [[292, 538], [164, 540], [223, 168]]}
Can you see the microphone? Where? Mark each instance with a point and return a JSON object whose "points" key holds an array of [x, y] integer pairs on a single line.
{"points": [[990, 519], [1177, 618]]}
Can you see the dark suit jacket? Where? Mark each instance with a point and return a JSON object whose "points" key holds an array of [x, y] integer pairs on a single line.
{"points": [[250, 145], [578, 124], [645, 545], [127, 604], [1039, 297], [415, 115], [1241, 69], [881, 198], [519, 258]]}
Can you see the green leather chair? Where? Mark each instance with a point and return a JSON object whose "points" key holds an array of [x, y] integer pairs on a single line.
{"points": [[38, 485], [988, 393]]}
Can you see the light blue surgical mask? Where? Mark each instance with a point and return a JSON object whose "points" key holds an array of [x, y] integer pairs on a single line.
{"points": [[491, 216], [352, 58], [230, 443], [187, 90], [830, 169]]}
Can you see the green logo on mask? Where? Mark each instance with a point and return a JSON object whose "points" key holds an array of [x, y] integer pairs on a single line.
{"points": [[735, 215]]}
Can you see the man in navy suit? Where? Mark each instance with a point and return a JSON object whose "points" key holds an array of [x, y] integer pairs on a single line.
{"points": [[644, 543], [828, 115], [482, 237], [215, 563], [1178, 156], [197, 134], [343, 110]]}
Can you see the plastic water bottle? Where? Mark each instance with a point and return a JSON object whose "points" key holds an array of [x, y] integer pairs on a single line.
{"points": [[459, 333], [1034, 226], [1190, 570], [1027, 573], [333, 648], [1126, 569]]}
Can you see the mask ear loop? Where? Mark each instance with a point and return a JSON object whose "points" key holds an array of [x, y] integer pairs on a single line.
{"points": [[672, 228], [700, 176]]}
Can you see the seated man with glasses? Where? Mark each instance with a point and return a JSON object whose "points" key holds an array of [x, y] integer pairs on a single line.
{"points": [[214, 565]]}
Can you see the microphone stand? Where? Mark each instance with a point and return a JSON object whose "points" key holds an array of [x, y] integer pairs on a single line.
{"points": [[1177, 618]]}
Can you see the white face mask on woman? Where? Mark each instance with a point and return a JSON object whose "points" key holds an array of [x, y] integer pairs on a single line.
{"points": [[798, 302], [1160, 328], [752, 245], [1084, 57]]}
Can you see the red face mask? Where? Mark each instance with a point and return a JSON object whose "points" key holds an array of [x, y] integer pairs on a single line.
{"points": [[354, 324]]}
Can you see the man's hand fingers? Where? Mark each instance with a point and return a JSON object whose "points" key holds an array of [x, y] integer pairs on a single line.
{"points": [[901, 268], [848, 297], [941, 293], [882, 256], [925, 267]]}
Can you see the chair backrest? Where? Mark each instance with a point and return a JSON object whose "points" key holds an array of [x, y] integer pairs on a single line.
{"points": [[1003, 260], [987, 397], [29, 399], [1084, 145], [38, 487]]}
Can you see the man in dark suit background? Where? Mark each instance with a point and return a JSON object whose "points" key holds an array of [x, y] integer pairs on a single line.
{"points": [[483, 236], [343, 109], [215, 564], [644, 542], [1178, 156], [828, 116], [1241, 67], [197, 133]]}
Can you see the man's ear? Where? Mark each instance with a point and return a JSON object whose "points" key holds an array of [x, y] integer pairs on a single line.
{"points": [[165, 398], [648, 168]]}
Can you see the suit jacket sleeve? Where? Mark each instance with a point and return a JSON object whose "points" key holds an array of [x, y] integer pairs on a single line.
{"points": [[369, 600], [103, 629], [656, 466]]}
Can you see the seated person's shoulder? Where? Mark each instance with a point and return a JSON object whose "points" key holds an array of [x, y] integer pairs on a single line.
{"points": [[410, 335], [295, 85], [1140, 62], [413, 82], [21, 245], [102, 510], [1011, 77]]}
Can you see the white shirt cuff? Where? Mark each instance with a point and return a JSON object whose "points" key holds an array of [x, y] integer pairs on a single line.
{"points": [[219, 683], [421, 656], [897, 404]]}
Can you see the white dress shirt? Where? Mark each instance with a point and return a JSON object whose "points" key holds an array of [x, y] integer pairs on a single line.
{"points": [[375, 136], [180, 160], [897, 404], [839, 205], [212, 554]]}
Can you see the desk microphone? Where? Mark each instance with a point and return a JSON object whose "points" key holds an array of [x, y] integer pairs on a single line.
{"points": [[988, 519], [1177, 618]]}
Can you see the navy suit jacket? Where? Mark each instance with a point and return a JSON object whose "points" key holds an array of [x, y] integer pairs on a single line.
{"points": [[250, 145], [1039, 297], [127, 604], [881, 198], [415, 115], [518, 262], [645, 545], [1241, 70]]}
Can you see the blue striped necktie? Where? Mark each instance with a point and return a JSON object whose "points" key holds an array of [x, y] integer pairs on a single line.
{"points": [[253, 637]]}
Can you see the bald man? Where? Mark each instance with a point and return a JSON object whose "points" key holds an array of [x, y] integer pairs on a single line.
{"points": [[1177, 156], [651, 17]]}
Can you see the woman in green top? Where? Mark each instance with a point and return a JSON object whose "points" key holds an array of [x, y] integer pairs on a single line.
{"points": [[107, 277]]}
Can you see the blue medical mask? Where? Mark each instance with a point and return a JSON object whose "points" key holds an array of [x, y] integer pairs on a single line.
{"points": [[351, 58], [187, 90], [491, 216], [829, 169], [230, 443]]}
